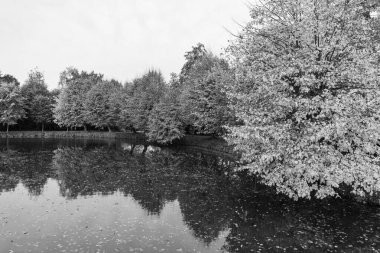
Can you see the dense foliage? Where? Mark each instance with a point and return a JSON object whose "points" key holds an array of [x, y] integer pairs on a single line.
{"points": [[202, 99], [100, 104], [11, 103], [165, 123], [307, 90], [143, 93], [71, 110], [39, 102]]}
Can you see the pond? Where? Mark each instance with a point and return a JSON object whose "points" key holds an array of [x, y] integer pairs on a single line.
{"points": [[62, 195]]}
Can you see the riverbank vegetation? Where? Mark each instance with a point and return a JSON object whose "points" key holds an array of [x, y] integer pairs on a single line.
{"points": [[297, 93]]}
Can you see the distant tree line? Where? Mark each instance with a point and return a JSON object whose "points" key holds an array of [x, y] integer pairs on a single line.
{"points": [[192, 102]]}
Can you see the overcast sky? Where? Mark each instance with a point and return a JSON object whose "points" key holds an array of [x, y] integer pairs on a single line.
{"points": [[119, 38]]}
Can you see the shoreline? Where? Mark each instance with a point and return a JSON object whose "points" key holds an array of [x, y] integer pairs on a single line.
{"points": [[72, 134], [202, 143]]}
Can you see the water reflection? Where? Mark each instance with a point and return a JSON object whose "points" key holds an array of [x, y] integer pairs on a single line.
{"points": [[213, 204], [31, 169]]}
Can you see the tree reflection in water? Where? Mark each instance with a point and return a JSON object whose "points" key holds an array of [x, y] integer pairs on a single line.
{"points": [[211, 201], [32, 169]]}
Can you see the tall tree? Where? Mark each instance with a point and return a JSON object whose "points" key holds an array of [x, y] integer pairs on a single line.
{"points": [[11, 104], [34, 85], [192, 57], [144, 92], [124, 101], [62, 111], [164, 124], [41, 111], [70, 110], [33, 88], [203, 101], [101, 105], [307, 89]]}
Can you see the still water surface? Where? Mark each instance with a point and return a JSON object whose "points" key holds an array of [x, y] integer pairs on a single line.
{"points": [[115, 196]]}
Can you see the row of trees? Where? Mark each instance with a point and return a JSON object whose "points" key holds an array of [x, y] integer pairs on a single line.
{"points": [[192, 102]]}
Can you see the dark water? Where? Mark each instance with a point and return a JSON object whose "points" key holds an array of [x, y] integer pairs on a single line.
{"points": [[99, 196]]}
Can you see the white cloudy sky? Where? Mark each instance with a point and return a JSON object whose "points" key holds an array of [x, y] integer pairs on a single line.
{"points": [[119, 38]]}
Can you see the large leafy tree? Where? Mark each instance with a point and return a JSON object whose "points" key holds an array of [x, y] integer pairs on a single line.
{"points": [[38, 100], [307, 89], [41, 111], [142, 95], [11, 103], [193, 58], [101, 104], [195, 101], [70, 110], [164, 124], [34, 85], [203, 101], [61, 111], [124, 100]]}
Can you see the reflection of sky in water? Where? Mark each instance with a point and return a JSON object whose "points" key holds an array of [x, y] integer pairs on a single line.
{"points": [[112, 223]]}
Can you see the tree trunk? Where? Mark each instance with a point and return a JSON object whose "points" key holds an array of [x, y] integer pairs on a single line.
{"points": [[85, 128], [132, 148], [67, 129], [7, 128], [109, 129]]}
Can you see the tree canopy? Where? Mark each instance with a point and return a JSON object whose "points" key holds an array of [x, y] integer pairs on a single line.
{"points": [[9, 79], [164, 124], [142, 94], [70, 110], [307, 90], [39, 101], [11, 103], [101, 105], [41, 110], [203, 100]]}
